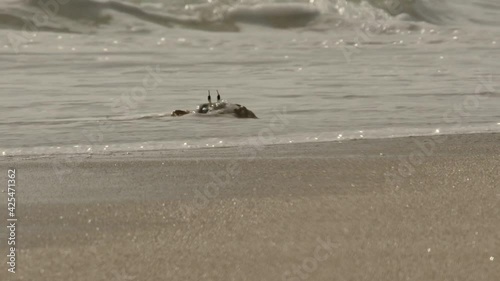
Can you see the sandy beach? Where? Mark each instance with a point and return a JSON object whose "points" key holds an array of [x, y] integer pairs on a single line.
{"points": [[415, 208]]}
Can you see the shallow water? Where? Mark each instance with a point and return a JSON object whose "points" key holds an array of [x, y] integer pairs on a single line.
{"points": [[99, 77]]}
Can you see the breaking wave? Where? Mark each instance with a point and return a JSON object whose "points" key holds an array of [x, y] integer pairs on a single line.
{"points": [[88, 16]]}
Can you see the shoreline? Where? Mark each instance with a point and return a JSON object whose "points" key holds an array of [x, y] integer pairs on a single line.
{"points": [[149, 152]]}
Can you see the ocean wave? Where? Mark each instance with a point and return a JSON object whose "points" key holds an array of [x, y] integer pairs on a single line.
{"points": [[229, 16]]}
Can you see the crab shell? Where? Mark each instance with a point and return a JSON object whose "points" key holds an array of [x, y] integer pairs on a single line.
{"points": [[217, 108]]}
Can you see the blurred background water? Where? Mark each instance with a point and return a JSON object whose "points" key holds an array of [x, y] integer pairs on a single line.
{"points": [[97, 76]]}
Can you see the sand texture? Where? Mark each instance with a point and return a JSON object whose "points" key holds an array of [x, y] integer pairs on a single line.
{"points": [[417, 208]]}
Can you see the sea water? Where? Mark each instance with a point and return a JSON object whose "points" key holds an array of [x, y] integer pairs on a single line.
{"points": [[101, 76]]}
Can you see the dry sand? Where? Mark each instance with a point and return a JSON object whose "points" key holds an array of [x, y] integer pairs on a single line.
{"points": [[316, 211]]}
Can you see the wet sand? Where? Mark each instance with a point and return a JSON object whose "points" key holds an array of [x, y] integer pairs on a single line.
{"points": [[418, 208]]}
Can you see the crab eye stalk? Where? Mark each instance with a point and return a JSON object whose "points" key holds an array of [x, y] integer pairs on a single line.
{"points": [[209, 98], [218, 95]]}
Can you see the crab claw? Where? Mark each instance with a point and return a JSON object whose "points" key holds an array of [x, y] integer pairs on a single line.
{"points": [[179, 112]]}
